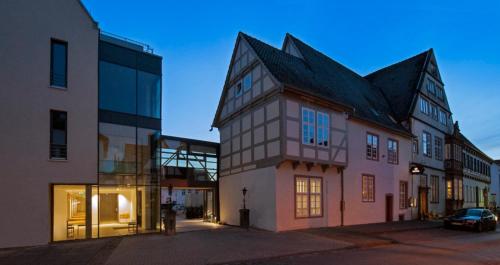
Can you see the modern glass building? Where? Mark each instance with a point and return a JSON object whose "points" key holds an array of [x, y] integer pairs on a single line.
{"points": [[126, 198]]}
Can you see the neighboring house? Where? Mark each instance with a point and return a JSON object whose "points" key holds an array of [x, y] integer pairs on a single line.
{"points": [[314, 143], [48, 101], [495, 183], [81, 120], [416, 93]]}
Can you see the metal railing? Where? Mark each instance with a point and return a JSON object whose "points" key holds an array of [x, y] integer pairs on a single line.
{"points": [[145, 47]]}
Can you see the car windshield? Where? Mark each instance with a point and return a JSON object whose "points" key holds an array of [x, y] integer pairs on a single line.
{"points": [[474, 212]]}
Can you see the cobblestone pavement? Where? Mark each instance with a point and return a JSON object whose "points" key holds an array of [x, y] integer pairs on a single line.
{"points": [[217, 246], [92, 252], [416, 247]]}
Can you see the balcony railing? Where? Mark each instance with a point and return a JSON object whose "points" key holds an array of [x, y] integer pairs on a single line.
{"points": [[58, 151]]}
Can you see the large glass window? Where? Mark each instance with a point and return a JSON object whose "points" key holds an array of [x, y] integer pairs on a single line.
{"points": [[323, 129], [117, 88], [308, 197], [424, 106], [117, 154], [58, 63], [308, 126], [58, 134], [149, 94]]}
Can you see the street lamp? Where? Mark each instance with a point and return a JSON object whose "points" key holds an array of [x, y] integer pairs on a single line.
{"points": [[244, 191]]}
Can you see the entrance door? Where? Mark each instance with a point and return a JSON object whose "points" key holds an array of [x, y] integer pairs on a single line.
{"points": [[108, 208], [423, 203], [389, 208]]}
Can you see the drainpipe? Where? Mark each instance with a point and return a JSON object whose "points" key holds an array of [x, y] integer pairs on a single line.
{"points": [[342, 202]]}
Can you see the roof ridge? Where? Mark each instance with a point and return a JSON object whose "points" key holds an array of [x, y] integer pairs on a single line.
{"points": [[326, 56], [399, 62]]}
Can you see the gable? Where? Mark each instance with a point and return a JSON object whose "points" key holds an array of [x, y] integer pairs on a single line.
{"points": [[290, 48], [247, 80]]}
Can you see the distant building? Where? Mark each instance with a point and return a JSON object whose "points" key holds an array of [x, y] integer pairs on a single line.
{"points": [[495, 183]]}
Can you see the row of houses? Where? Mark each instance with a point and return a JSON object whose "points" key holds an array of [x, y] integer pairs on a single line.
{"points": [[316, 144]]}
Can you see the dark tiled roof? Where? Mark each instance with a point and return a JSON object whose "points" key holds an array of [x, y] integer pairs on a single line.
{"points": [[470, 144], [319, 75], [398, 82]]}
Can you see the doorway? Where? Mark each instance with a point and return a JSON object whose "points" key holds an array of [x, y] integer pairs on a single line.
{"points": [[423, 205], [108, 208], [389, 201]]}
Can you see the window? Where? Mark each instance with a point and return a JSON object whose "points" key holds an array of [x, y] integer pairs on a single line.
{"points": [[392, 151], [238, 90], [308, 197], [323, 129], [440, 93], [434, 112], [307, 126], [371, 146], [460, 189], [415, 146], [247, 82], [434, 189], [58, 63], [443, 117], [449, 189], [426, 144], [403, 194], [424, 106], [368, 188], [438, 147], [431, 87], [117, 88], [58, 134], [148, 94]]}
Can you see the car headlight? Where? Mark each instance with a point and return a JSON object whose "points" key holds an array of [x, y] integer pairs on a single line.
{"points": [[496, 218]]}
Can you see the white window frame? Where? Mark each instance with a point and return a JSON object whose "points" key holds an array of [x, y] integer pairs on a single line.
{"points": [[424, 106], [307, 125], [367, 188], [392, 151], [308, 197], [323, 129], [371, 148]]}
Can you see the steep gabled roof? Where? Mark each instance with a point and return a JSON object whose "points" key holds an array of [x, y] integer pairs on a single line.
{"points": [[399, 83], [320, 76], [471, 145]]}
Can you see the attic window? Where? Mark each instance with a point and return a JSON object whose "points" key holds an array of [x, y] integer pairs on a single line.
{"points": [[238, 90]]}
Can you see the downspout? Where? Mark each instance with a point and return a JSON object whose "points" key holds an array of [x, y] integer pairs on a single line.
{"points": [[342, 202]]}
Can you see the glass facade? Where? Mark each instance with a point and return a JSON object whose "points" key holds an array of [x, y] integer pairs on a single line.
{"points": [[127, 90]]}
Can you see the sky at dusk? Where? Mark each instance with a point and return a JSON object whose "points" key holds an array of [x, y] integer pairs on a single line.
{"points": [[196, 41]]}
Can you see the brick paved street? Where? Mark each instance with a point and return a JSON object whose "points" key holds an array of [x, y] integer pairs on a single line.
{"points": [[412, 242]]}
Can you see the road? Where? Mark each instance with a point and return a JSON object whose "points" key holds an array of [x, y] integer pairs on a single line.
{"points": [[433, 246]]}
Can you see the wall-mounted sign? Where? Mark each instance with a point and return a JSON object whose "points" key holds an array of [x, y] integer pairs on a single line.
{"points": [[416, 169]]}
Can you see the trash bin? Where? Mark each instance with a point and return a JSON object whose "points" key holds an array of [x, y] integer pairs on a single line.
{"points": [[244, 218]]}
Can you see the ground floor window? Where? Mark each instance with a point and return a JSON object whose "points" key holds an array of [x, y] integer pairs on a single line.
{"points": [[449, 189], [434, 189], [368, 188], [403, 194], [308, 197], [91, 211]]}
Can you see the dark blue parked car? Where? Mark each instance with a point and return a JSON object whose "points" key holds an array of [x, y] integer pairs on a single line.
{"points": [[478, 219]]}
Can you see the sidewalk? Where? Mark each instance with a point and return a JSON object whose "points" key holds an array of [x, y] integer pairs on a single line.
{"points": [[230, 244], [370, 235]]}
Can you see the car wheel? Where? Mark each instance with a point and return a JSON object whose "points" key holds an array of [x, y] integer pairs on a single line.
{"points": [[479, 227]]}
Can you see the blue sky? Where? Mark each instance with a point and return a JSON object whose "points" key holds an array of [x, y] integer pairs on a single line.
{"points": [[196, 40]]}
